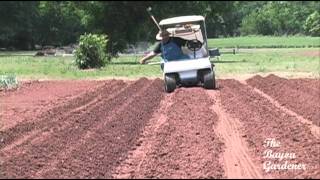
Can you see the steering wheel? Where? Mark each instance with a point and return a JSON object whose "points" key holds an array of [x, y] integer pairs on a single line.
{"points": [[194, 45]]}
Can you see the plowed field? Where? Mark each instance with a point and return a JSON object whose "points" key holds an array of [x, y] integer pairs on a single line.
{"points": [[264, 127]]}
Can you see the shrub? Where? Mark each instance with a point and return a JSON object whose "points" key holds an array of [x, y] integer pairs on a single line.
{"points": [[91, 52], [8, 82], [312, 24]]}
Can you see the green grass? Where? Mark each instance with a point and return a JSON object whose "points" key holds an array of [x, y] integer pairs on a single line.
{"points": [[291, 62], [63, 68], [247, 61], [265, 42]]}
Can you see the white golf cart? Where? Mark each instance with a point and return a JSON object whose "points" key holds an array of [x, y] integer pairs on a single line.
{"points": [[197, 68]]}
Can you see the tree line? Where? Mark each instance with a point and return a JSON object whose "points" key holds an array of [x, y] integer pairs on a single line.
{"points": [[24, 24]]}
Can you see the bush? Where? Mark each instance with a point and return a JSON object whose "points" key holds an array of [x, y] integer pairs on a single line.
{"points": [[8, 82], [91, 52], [312, 24]]}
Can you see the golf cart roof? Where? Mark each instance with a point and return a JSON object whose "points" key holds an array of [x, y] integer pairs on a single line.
{"points": [[181, 19], [186, 32]]}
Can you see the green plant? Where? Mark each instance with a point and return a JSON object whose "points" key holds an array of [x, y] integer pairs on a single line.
{"points": [[8, 81], [91, 52], [312, 24]]}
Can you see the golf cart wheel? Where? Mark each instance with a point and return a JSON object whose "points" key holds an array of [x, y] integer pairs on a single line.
{"points": [[170, 83], [209, 81]]}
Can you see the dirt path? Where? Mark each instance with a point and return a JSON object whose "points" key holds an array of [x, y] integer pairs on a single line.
{"points": [[237, 159], [302, 99], [131, 167], [315, 130], [181, 144], [132, 129], [116, 134], [262, 120], [29, 159], [34, 98], [51, 119]]}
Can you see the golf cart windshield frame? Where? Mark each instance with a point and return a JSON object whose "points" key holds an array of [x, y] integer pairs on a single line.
{"points": [[199, 26]]}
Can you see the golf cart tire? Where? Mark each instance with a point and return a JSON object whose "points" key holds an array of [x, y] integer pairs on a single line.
{"points": [[209, 81], [170, 83]]}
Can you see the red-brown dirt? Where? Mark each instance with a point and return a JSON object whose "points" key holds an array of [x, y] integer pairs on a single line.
{"points": [[121, 129], [299, 95], [32, 98], [262, 120], [315, 53], [181, 141], [307, 53]]}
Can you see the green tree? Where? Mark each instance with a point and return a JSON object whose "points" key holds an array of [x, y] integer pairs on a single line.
{"points": [[312, 24], [59, 23], [128, 22], [277, 18], [24, 24], [17, 24]]}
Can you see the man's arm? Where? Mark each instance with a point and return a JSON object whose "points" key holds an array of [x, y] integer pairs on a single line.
{"points": [[150, 55]]}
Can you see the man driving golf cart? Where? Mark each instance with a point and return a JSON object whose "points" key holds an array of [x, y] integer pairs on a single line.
{"points": [[185, 58], [169, 47]]}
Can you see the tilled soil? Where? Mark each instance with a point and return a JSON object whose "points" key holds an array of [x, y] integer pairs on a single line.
{"points": [[262, 121], [180, 142], [312, 53], [121, 129], [299, 95], [36, 97]]}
